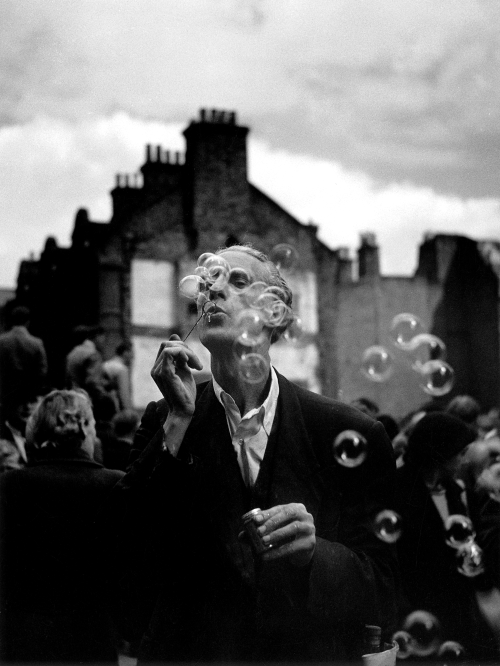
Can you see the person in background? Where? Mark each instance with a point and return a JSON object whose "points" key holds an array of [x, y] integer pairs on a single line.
{"points": [[116, 449], [23, 367], [84, 361], [466, 408], [203, 457], [428, 492], [366, 406], [55, 597], [84, 369], [117, 372], [390, 424]]}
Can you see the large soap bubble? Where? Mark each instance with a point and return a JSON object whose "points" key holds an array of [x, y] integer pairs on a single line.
{"points": [[350, 448], [253, 292], [253, 368], [191, 286], [387, 526], [404, 327], [459, 530], [436, 378], [284, 256], [425, 629], [295, 331], [377, 363], [426, 347], [218, 272]]}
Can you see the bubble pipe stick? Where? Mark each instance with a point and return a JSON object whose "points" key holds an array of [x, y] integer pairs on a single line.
{"points": [[204, 313]]}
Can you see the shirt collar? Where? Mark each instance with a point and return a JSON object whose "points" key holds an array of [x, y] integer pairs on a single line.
{"points": [[268, 406]]}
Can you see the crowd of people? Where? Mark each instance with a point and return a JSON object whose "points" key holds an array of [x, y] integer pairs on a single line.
{"points": [[231, 525]]}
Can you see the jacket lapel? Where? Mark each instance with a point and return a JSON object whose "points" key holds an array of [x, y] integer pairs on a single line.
{"points": [[290, 469]]}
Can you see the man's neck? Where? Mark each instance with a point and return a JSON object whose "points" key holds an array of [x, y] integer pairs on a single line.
{"points": [[246, 395]]}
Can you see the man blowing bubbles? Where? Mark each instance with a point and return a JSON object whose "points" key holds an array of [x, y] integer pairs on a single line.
{"points": [[206, 455]]}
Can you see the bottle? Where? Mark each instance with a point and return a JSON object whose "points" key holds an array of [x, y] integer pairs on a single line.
{"points": [[250, 527], [372, 635]]}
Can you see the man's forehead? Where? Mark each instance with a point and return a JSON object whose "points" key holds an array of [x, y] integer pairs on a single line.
{"points": [[255, 267]]}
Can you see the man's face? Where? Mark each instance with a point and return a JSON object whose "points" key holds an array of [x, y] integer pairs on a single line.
{"points": [[221, 326]]}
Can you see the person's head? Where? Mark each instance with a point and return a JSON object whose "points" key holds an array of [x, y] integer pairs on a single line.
{"points": [[367, 406], [479, 456], [125, 423], [390, 424], [85, 332], [464, 407], [125, 351], [20, 316], [248, 265], [62, 423], [437, 443]]}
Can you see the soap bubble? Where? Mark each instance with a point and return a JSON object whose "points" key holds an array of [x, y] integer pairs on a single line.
{"points": [[191, 286], [294, 331], [458, 530], [284, 256], [202, 272], [253, 292], [250, 322], [387, 526], [426, 347], [404, 641], [246, 344], [203, 258], [436, 378], [377, 364], [470, 560], [253, 368], [404, 327], [218, 272], [350, 448], [451, 651], [424, 629], [274, 311]]}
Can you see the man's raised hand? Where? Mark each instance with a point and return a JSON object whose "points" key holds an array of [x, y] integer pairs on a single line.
{"points": [[172, 375]]}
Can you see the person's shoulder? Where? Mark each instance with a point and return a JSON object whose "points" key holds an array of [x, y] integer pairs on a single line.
{"points": [[324, 407]]}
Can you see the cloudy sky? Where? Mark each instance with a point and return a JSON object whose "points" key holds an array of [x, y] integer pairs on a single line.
{"points": [[365, 115]]}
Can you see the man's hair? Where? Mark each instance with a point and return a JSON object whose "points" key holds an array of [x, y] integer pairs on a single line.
{"points": [[59, 421], [464, 407], [123, 347], [125, 422], [85, 332], [20, 316], [275, 280]]}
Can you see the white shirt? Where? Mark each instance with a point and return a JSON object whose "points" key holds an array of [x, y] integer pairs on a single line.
{"points": [[250, 432]]}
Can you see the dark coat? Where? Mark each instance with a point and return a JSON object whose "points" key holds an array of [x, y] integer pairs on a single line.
{"points": [[53, 557], [429, 572], [201, 594], [23, 368]]}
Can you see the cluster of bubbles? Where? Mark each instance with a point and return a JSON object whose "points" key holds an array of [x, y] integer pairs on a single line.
{"points": [[420, 637], [265, 306], [425, 353], [461, 536]]}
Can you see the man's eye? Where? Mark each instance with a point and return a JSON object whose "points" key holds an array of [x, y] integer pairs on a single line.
{"points": [[239, 279]]}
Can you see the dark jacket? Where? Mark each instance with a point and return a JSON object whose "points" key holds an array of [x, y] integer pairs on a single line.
{"points": [[429, 570], [201, 594], [23, 368], [54, 597]]}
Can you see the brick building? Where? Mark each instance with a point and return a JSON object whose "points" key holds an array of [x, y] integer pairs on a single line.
{"points": [[124, 275]]}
